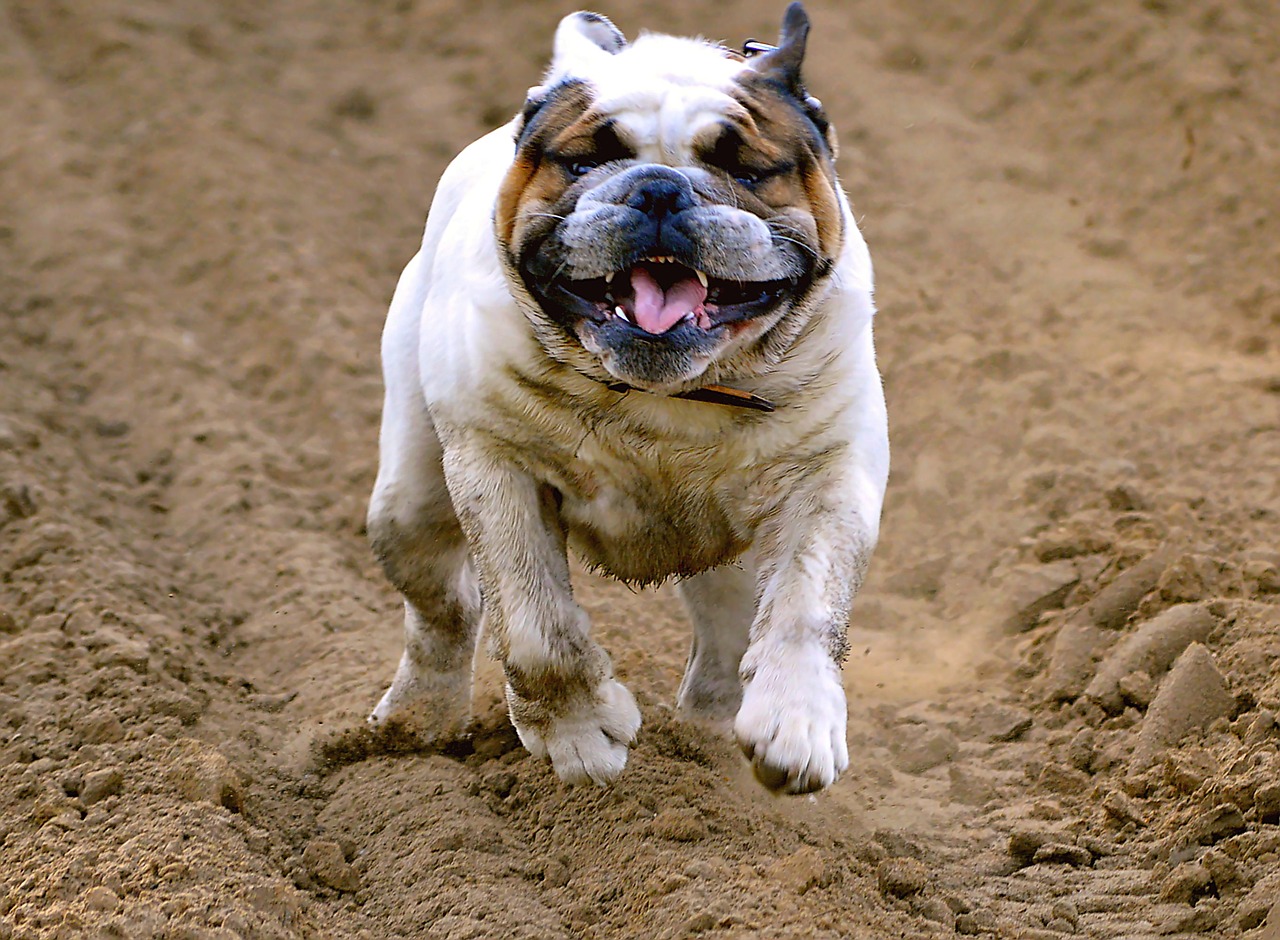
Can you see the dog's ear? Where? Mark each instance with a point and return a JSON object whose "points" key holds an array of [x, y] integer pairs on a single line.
{"points": [[582, 37], [783, 62]]}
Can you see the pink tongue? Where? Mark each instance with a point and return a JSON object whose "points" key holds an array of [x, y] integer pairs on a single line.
{"points": [[656, 312]]}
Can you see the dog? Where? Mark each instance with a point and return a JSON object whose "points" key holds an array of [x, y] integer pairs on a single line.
{"points": [[639, 327]]}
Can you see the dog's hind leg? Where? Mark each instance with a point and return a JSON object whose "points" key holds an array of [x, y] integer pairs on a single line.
{"points": [[416, 537], [722, 605]]}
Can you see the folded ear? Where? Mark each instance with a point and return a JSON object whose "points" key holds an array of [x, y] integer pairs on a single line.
{"points": [[783, 63], [582, 37]]}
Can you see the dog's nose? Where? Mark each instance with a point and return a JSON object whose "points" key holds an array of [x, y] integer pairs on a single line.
{"points": [[661, 196]]}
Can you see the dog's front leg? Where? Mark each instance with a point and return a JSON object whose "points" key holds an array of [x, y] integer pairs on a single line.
{"points": [[812, 555], [563, 699]]}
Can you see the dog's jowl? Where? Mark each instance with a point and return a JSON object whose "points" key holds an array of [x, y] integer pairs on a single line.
{"points": [[638, 329]]}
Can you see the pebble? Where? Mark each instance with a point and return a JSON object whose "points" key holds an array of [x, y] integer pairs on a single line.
{"points": [[101, 899], [1137, 689], [976, 922], [1152, 649], [325, 862], [1221, 822], [800, 870], [996, 723], [100, 726], [1061, 853], [208, 778], [1266, 802], [100, 784], [902, 877], [1185, 883], [1058, 778], [1193, 695], [1025, 842], [1031, 590], [928, 750], [1123, 809], [1074, 657], [1112, 606]]}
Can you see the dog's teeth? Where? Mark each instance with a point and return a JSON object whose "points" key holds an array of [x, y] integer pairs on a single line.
{"points": [[608, 278], [702, 277], [619, 312]]}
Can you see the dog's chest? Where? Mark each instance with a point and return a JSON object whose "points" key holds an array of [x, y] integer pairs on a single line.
{"points": [[648, 512]]}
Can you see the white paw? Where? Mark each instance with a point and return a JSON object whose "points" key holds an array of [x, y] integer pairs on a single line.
{"points": [[433, 706], [588, 745], [792, 721]]}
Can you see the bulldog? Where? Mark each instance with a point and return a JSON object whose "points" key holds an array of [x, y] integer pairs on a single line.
{"points": [[638, 328]]}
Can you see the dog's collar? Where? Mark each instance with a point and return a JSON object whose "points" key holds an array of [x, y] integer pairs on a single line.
{"points": [[715, 394]]}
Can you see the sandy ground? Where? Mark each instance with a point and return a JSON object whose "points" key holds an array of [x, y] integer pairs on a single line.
{"points": [[1067, 664]]}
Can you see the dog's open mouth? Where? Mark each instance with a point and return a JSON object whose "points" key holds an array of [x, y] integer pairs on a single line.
{"points": [[658, 293]]}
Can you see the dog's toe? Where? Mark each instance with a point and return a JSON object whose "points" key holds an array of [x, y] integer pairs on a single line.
{"points": [[792, 727], [589, 745]]}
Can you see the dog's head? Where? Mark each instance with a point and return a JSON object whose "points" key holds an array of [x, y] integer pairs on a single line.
{"points": [[672, 203]]}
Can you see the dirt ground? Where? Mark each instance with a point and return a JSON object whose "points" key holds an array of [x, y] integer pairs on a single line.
{"points": [[1066, 671]]}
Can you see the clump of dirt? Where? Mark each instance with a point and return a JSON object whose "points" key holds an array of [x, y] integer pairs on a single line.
{"points": [[1066, 673]]}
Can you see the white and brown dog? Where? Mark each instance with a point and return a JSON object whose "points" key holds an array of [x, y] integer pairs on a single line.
{"points": [[639, 327]]}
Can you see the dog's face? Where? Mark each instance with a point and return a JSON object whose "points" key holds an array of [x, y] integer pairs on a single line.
{"points": [[672, 204]]}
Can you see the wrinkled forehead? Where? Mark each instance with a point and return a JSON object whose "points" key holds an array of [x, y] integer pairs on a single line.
{"points": [[662, 93]]}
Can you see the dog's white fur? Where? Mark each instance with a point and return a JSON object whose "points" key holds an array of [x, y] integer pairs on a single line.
{"points": [[458, 329]]}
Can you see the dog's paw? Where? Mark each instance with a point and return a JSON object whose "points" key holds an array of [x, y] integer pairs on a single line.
{"points": [[431, 706], [588, 745], [792, 721]]}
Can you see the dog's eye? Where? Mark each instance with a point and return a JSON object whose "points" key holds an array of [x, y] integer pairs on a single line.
{"points": [[581, 166], [747, 177]]}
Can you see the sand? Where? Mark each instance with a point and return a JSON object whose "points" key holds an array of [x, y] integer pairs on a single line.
{"points": [[203, 211]]}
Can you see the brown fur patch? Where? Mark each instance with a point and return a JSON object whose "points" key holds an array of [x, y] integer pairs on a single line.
{"points": [[776, 132], [534, 184]]}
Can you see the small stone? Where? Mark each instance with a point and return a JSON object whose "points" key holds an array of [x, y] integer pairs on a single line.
{"points": [[1073, 658], [1122, 809], [1151, 649], [207, 777], [1219, 823], [324, 861], [555, 874], [1058, 778], [927, 750], [1137, 689], [901, 877], [800, 870], [1112, 607], [1064, 909], [997, 723], [501, 783], [679, 825], [1222, 868], [1024, 842], [1187, 770], [934, 909], [100, 784], [976, 922], [101, 899], [1031, 590], [1266, 803], [1080, 750], [1186, 883], [1193, 695], [700, 923], [1060, 853], [1189, 578], [100, 726]]}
